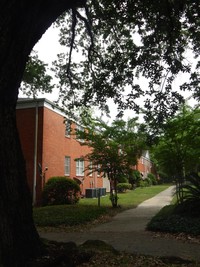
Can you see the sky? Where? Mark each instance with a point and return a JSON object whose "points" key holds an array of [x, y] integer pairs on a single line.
{"points": [[48, 47]]}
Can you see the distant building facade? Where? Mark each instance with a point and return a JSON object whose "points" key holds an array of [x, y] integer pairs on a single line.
{"points": [[51, 150]]}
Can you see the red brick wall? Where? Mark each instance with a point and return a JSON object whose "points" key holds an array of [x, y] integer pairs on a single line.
{"points": [[52, 147], [26, 121], [53, 143], [56, 146]]}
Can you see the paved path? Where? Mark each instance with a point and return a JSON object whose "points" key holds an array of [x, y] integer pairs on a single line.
{"points": [[126, 232]]}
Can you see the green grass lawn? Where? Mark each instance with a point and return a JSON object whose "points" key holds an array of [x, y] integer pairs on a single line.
{"points": [[87, 209]]}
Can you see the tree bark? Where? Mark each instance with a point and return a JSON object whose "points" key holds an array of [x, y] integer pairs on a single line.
{"points": [[22, 24], [19, 239]]}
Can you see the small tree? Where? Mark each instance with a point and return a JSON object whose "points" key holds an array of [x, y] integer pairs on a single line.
{"points": [[115, 149]]}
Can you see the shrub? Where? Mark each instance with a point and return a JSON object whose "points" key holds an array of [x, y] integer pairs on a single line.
{"points": [[60, 190], [192, 190], [145, 183], [153, 179], [171, 219], [135, 178], [122, 179], [122, 187]]}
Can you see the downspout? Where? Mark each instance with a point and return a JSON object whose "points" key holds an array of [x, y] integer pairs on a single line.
{"points": [[35, 155]]}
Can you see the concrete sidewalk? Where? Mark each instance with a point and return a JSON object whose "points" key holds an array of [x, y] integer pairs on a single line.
{"points": [[126, 232]]}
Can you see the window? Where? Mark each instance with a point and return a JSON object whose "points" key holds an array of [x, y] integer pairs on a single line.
{"points": [[79, 167], [67, 128], [67, 166]]}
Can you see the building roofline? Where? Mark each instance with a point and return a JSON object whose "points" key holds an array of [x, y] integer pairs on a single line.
{"points": [[24, 103]]}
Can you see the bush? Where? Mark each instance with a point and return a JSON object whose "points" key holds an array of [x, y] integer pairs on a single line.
{"points": [[170, 219], [122, 179], [122, 187], [192, 190], [135, 178], [60, 190], [145, 183], [153, 179]]}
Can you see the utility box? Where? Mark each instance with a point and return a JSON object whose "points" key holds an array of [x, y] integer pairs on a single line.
{"points": [[95, 192]]}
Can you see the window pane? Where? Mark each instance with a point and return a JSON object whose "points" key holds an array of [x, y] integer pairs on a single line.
{"points": [[67, 165], [79, 167]]}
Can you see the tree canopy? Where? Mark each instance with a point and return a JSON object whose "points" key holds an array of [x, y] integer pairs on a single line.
{"points": [[123, 41], [35, 78]]}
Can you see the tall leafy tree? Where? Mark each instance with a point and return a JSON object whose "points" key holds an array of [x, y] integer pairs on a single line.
{"points": [[131, 39], [178, 151], [166, 27], [115, 149]]}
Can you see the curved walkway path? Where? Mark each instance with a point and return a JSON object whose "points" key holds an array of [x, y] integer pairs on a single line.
{"points": [[126, 232]]}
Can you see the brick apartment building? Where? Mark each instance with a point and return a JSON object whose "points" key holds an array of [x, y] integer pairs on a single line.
{"points": [[50, 150]]}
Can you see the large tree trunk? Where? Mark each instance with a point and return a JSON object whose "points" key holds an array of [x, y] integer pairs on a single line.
{"points": [[22, 23], [19, 239]]}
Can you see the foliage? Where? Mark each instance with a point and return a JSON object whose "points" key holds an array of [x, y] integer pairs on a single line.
{"points": [[35, 78], [152, 178], [60, 190], [115, 148], [191, 194], [123, 187], [134, 178], [145, 183], [175, 154], [128, 40], [166, 28], [122, 179], [174, 219]]}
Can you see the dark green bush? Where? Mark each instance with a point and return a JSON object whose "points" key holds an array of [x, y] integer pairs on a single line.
{"points": [[122, 187], [192, 189], [145, 183], [172, 220], [135, 178], [60, 190], [153, 179], [122, 179]]}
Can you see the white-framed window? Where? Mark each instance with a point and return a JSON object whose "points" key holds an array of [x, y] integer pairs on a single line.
{"points": [[67, 128], [67, 166], [79, 167]]}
